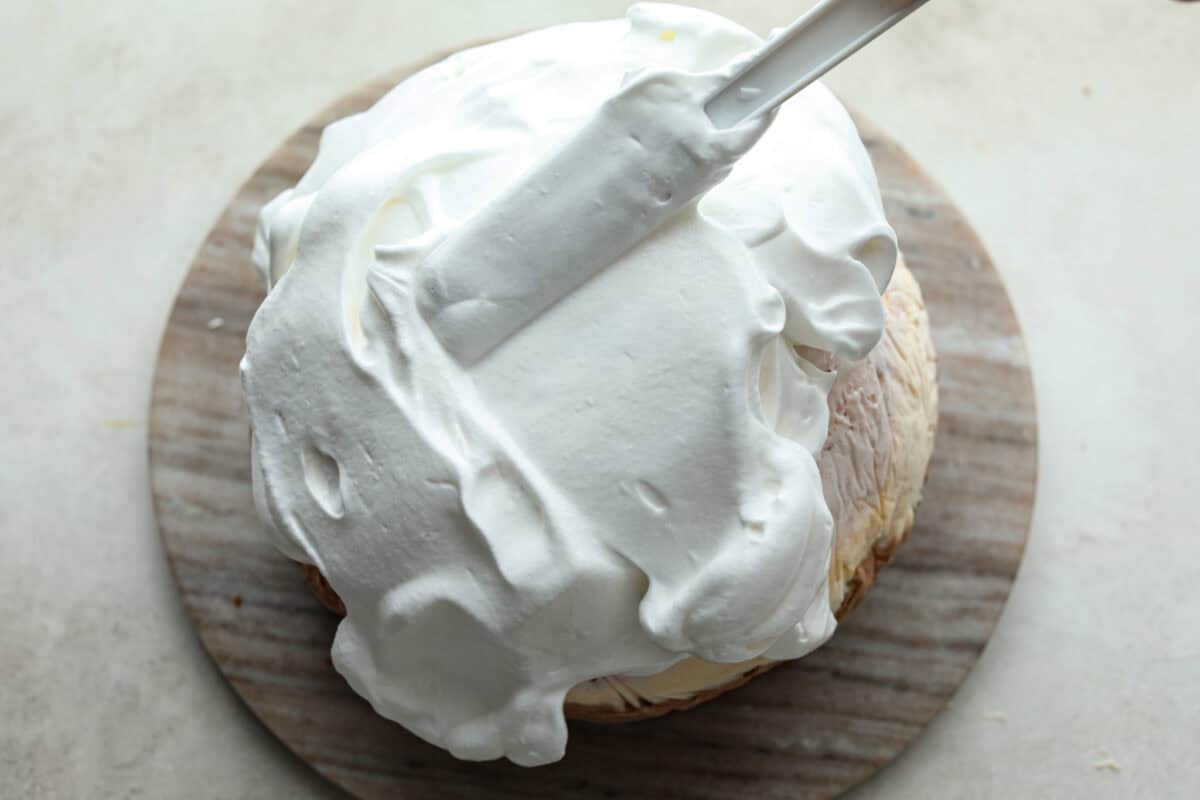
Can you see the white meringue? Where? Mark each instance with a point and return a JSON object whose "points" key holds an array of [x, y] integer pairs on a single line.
{"points": [[621, 481]]}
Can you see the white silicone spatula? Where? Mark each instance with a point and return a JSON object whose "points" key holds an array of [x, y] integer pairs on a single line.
{"points": [[808, 48], [485, 282]]}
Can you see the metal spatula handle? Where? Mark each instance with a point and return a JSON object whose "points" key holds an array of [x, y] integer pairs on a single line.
{"points": [[808, 48]]}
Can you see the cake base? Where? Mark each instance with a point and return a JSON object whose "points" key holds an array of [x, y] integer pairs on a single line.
{"points": [[810, 729]]}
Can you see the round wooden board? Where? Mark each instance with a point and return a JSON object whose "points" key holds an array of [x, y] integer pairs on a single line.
{"points": [[808, 729]]}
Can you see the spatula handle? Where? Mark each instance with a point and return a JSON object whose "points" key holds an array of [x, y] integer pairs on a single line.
{"points": [[811, 46]]}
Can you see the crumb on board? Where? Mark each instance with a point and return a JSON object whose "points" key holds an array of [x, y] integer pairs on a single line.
{"points": [[215, 323], [1109, 764], [237, 601], [667, 36]]}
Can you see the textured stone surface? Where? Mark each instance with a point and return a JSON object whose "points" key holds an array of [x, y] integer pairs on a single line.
{"points": [[1065, 130]]}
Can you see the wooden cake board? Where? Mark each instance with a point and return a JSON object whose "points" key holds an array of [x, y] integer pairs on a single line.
{"points": [[809, 729]]}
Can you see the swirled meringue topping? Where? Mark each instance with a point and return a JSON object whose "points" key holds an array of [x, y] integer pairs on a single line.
{"points": [[532, 443]]}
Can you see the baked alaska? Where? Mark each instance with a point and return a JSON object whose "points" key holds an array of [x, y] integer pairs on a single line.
{"points": [[572, 405]]}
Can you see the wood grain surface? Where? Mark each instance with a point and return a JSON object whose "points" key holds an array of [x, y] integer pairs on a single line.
{"points": [[809, 729]]}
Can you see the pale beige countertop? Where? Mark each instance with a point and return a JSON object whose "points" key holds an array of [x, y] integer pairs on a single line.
{"points": [[1068, 131]]}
